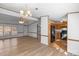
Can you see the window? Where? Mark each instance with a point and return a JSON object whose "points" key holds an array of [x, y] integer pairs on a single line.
{"points": [[14, 30], [7, 30], [1, 30]]}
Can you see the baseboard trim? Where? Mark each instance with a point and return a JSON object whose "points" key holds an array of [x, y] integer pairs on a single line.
{"points": [[73, 40], [32, 37], [11, 37], [44, 35], [71, 54]]}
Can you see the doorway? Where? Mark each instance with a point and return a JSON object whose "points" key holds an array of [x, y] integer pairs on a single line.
{"points": [[57, 35], [38, 32], [52, 34]]}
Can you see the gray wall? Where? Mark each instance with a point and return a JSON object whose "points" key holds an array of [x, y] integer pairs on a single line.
{"points": [[33, 30]]}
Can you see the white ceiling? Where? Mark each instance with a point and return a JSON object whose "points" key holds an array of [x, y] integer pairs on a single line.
{"points": [[13, 6], [12, 19], [53, 10]]}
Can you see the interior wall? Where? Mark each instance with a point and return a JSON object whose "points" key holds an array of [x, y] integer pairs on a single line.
{"points": [[33, 29], [73, 33], [25, 30]]}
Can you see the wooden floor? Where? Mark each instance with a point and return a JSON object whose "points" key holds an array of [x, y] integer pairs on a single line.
{"points": [[27, 46], [62, 44]]}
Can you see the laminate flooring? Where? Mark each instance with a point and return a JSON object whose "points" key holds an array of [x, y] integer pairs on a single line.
{"points": [[27, 46]]}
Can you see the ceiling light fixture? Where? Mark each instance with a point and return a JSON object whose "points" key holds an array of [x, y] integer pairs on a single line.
{"points": [[21, 21], [23, 15], [21, 12]]}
